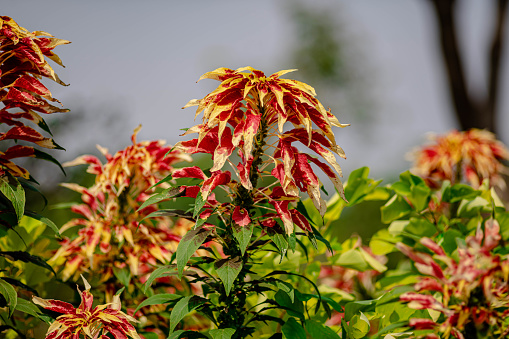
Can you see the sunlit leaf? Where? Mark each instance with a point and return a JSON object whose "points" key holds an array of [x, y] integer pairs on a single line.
{"points": [[317, 330], [168, 193], [223, 333], [45, 156], [123, 275], [293, 330], [27, 257], [228, 270], [243, 236], [352, 259], [9, 294], [182, 308], [394, 209], [44, 220], [354, 307], [27, 307], [182, 334], [159, 272], [294, 308], [382, 242], [459, 192], [360, 325], [188, 245], [15, 193], [157, 299]]}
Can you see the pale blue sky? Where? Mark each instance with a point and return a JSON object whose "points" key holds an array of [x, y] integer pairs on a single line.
{"points": [[142, 59]]}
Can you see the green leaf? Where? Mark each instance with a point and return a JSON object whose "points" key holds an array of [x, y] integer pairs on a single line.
{"points": [[163, 271], [391, 327], [182, 334], [317, 330], [44, 220], [15, 193], [283, 286], [401, 188], [157, 299], [169, 213], [472, 208], [243, 236], [382, 242], [27, 307], [228, 270], [287, 288], [359, 186], [44, 126], [149, 335], [27, 257], [167, 178], [420, 227], [9, 294], [183, 307], [292, 241], [168, 193], [357, 181], [198, 205], [359, 325], [352, 259], [389, 304], [293, 330], [319, 237], [450, 244], [398, 279], [188, 245], [303, 210], [420, 196], [294, 308], [223, 333], [27, 186], [411, 179], [372, 262], [45, 156], [342, 294], [335, 206], [459, 192], [503, 220], [354, 307], [281, 243], [123, 275], [18, 283], [62, 206], [199, 222], [394, 209], [311, 213], [346, 330]]}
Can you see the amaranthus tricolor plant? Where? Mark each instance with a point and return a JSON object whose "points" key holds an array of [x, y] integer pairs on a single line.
{"points": [[111, 247], [469, 294], [22, 64], [470, 156], [241, 249], [110, 236], [247, 114]]}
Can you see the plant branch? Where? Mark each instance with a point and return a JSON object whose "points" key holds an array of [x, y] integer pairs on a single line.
{"points": [[464, 108], [496, 53]]}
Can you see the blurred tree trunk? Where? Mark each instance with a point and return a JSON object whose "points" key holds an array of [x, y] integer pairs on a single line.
{"points": [[473, 110]]}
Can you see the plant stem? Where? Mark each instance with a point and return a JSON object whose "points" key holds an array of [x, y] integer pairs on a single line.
{"points": [[234, 311]]}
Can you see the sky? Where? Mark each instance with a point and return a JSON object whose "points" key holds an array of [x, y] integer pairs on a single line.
{"points": [[137, 62]]}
